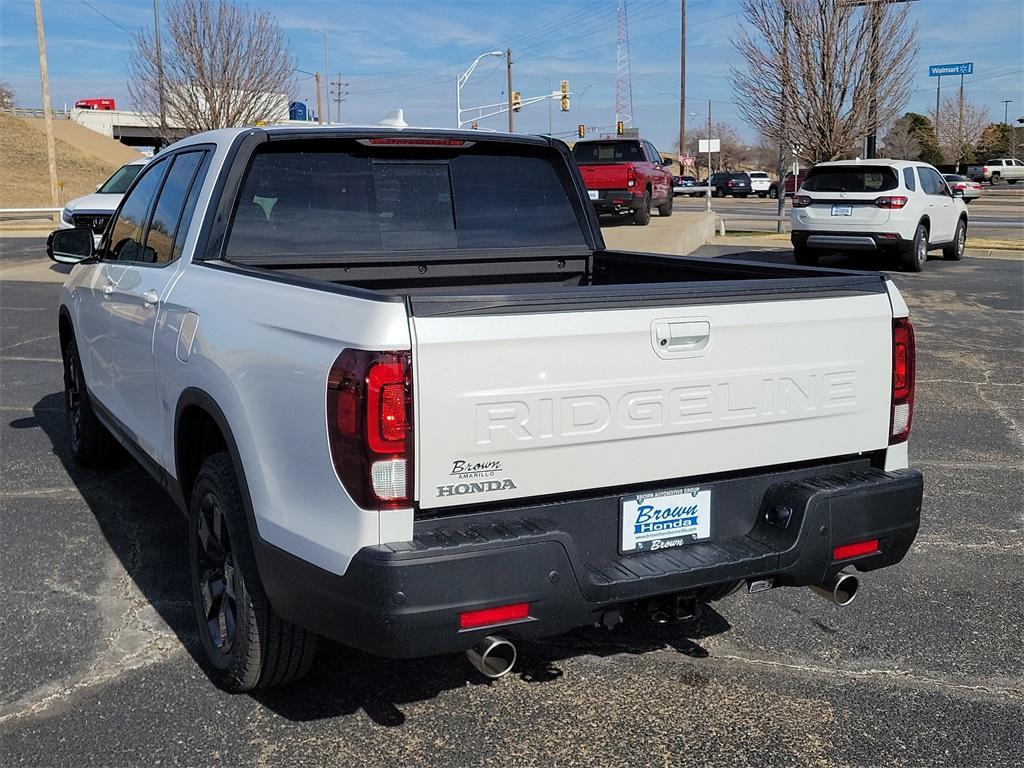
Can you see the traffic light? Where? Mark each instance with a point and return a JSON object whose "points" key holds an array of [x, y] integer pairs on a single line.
{"points": [[517, 101], [565, 95], [620, 129], [581, 130]]}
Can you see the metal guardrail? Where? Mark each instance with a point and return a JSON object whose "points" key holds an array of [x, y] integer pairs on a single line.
{"points": [[23, 112], [746, 217], [28, 214]]}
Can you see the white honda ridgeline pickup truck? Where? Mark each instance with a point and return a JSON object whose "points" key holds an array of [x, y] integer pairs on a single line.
{"points": [[408, 400]]}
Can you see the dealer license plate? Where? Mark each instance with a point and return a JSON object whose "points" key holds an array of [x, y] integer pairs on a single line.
{"points": [[593, 194], [664, 520], [842, 210]]}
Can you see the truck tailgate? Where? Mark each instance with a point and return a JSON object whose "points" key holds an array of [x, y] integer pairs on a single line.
{"points": [[525, 405], [609, 176]]}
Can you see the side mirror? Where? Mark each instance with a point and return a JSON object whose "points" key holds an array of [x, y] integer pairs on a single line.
{"points": [[958, 193], [70, 246], [666, 161]]}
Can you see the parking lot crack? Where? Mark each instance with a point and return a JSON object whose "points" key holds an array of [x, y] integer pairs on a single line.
{"points": [[1016, 692]]}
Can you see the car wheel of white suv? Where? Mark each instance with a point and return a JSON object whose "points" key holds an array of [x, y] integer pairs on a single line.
{"points": [[955, 250], [915, 257]]}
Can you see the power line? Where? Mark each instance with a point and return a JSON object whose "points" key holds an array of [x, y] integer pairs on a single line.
{"points": [[101, 13]]}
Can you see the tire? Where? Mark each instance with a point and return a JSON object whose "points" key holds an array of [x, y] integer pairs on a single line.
{"points": [[642, 215], [665, 209], [91, 444], [762, 195], [773, 193], [245, 644], [915, 257], [993, 180], [804, 256], [955, 250]]}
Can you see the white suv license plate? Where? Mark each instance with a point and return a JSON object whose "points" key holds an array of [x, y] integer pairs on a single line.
{"points": [[664, 520], [593, 194], [842, 210]]}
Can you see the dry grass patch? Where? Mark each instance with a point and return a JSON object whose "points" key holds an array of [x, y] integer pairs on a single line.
{"points": [[26, 181]]}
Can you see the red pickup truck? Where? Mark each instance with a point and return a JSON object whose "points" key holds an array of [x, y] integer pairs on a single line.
{"points": [[625, 176]]}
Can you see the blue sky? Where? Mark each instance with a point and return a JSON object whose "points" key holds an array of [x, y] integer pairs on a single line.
{"points": [[406, 54]]}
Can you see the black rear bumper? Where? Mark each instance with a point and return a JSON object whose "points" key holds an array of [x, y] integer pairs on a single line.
{"points": [[616, 201], [839, 240], [403, 600]]}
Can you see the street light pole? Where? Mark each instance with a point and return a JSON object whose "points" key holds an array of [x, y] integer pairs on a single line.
{"points": [[548, 79], [159, 70], [327, 72], [462, 79], [707, 190], [1006, 110], [579, 105]]}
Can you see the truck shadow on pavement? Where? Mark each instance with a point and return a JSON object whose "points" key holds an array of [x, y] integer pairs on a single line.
{"points": [[148, 535]]}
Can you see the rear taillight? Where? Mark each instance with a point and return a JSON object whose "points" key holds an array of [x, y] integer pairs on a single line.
{"points": [[729, 183], [801, 201], [369, 426], [903, 372], [891, 201], [630, 175]]}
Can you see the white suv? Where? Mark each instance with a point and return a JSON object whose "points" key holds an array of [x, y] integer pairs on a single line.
{"points": [[892, 206], [760, 183]]}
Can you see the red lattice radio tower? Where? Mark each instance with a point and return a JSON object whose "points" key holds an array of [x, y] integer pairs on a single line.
{"points": [[623, 80]]}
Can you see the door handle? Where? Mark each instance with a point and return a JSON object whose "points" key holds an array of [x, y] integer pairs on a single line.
{"points": [[150, 296], [681, 338]]}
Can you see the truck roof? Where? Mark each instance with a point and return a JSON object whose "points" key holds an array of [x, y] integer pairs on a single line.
{"points": [[228, 135]]}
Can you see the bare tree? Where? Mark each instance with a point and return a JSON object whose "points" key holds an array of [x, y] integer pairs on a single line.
{"points": [[959, 125], [734, 152], [6, 96], [900, 141], [816, 57], [223, 65]]}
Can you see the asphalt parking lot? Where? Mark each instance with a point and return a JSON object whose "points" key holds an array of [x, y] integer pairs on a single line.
{"points": [[997, 214], [925, 668]]}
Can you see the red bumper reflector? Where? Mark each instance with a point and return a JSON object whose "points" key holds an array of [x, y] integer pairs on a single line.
{"points": [[499, 615], [855, 550]]}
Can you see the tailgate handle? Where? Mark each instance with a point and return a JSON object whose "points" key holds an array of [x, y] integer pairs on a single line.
{"points": [[680, 337]]}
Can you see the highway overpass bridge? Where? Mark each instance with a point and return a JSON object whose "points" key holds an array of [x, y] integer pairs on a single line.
{"points": [[136, 129]]}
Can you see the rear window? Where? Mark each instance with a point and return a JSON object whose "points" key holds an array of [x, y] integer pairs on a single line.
{"points": [[851, 178], [595, 152], [955, 177], [758, 175], [306, 198]]}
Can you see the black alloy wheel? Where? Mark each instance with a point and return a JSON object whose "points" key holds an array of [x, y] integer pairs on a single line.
{"points": [[217, 575]]}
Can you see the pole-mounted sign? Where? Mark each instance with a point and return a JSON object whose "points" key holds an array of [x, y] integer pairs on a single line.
{"points": [[938, 70]]}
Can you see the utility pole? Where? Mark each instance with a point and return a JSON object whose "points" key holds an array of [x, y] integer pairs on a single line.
{"points": [[548, 79], [319, 101], [1006, 110], [682, 83], [51, 152], [508, 68], [339, 96], [159, 70]]}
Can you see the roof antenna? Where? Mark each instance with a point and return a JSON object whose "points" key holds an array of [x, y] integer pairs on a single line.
{"points": [[395, 119]]}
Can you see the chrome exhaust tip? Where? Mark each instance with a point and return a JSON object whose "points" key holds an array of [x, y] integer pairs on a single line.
{"points": [[493, 657], [839, 590]]}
